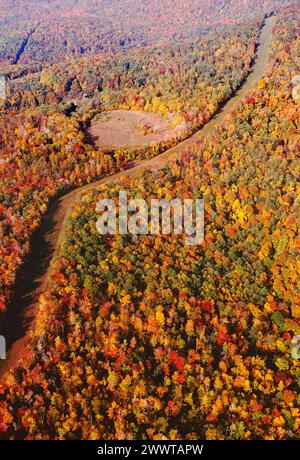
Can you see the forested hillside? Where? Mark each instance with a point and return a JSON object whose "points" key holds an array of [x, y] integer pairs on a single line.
{"points": [[148, 338], [185, 82], [48, 31], [44, 150]]}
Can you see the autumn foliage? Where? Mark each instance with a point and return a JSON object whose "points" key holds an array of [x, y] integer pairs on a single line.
{"points": [[44, 151], [39, 32], [149, 338]]}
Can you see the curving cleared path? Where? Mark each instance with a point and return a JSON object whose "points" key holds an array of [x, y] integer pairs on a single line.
{"points": [[35, 275]]}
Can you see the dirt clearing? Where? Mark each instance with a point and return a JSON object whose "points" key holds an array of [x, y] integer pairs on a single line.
{"points": [[129, 128]]}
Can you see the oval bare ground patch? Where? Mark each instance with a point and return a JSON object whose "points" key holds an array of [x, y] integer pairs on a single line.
{"points": [[129, 128]]}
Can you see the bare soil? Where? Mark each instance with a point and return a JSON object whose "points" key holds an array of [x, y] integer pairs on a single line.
{"points": [[129, 128]]}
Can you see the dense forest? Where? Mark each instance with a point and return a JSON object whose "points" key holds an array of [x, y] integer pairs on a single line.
{"points": [[43, 147], [185, 82], [138, 333], [52, 30]]}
